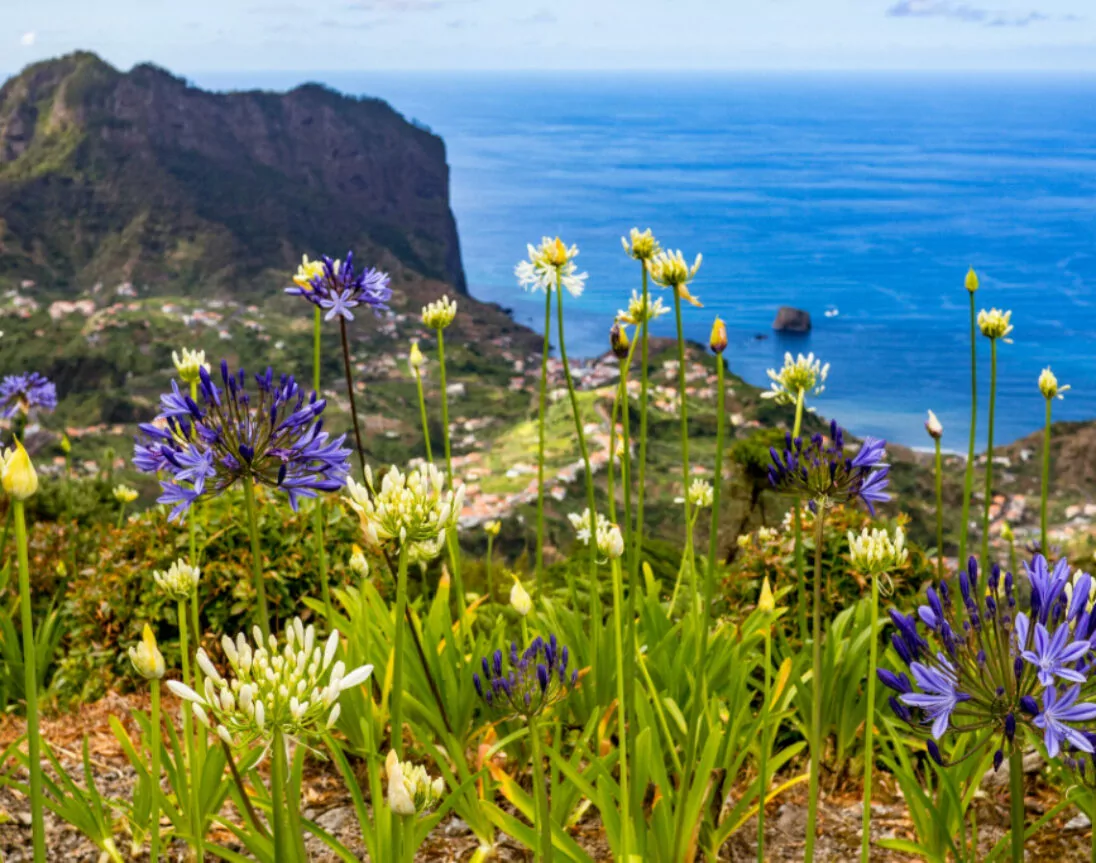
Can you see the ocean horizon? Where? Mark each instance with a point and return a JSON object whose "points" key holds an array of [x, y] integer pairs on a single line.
{"points": [[864, 195]]}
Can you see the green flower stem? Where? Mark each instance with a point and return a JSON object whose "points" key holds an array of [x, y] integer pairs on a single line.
{"points": [[423, 416], [684, 413], [1044, 543], [713, 535], [869, 720], [543, 814], [763, 765], [490, 573], [989, 454], [1016, 801], [278, 779], [595, 598], [939, 466], [318, 511], [30, 683], [154, 745], [451, 536], [629, 551], [194, 773], [816, 685], [121, 516], [317, 341], [797, 534], [968, 480], [397, 674], [641, 486], [350, 393], [263, 611], [622, 722], [541, 416]]}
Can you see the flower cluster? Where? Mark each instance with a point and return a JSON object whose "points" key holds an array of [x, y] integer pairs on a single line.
{"points": [[337, 288], [873, 551], [1013, 650], [995, 324], [276, 440], [412, 509], [549, 264], [605, 534], [146, 657], [640, 245], [701, 494], [124, 493], [411, 791], [190, 365], [1048, 385], [525, 684], [641, 311], [799, 376], [25, 394], [179, 581], [293, 688], [670, 270], [820, 469], [439, 314]]}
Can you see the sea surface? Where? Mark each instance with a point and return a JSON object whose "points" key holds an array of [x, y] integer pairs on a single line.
{"points": [[864, 195]]}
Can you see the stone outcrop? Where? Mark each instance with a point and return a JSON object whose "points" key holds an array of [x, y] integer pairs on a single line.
{"points": [[791, 320]]}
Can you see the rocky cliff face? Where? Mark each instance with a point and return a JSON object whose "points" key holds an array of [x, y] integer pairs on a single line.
{"points": [[137, 176]]}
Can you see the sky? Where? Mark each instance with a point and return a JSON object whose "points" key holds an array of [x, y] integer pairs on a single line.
{"points": [[198, 36]]}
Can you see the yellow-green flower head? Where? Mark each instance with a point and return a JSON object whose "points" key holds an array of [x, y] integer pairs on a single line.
{"points": [[802, 374], [146, 657], [972, 280], [640, 311], [124, 493], [410, 508], [640, 245], [550, 263], [606, 535], [292, 687], [493, 527], [358, 563], [179, 581], [411, 791], [307, 272], [190, 365], [439, 314], [1048, 385], [20, 479], [520, 600], [1006, 532], [995, 324], [415, 359], [874, 551], [669, 270], [934, 427], [718, 340], [700, 495], [618, 341], [66, 444]]}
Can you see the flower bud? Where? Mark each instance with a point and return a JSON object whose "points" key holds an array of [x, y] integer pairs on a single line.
{"points": [[146, 657], [766, 603], [1048, 385], [618, 341], [972, 280], [718, 340], [358, 563], [439, 314], [934, 427], [190, 364], [492, 528], [995, 324], [20, 480], [66, 444], [520, 600], [415, 359]]}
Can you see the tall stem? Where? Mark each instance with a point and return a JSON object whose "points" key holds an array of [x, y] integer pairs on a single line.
{"points": [[541, 416], [540, 797], [278, 780], [197, 822], [1016, 801], [350, 393], [622, 722], [684, 410], [490, 580], [763, 766], [989, 454], [154, 781], [713, 534], [121, 516], [1044, 543], [637, 532], [262, 611], [397, 674], [816, 685], [318, 512], [869, 721], [30, 683], [797, 534], [629, 550], [595, 598], [451, 536], [422, 413], [968, 480], [940, 513]]}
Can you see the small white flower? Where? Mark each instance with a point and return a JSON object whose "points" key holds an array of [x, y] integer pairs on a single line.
{"points": [[873, 551], [439, 314], [701, 493], [1048, 385], [995, 324], [179, 581], [606, 535], [549, 263], [411, 791], [800, 374], [670, 270], [190, 365], [639, 311]]}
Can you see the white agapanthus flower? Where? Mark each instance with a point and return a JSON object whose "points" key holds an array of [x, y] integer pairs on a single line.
{"points": [[439, 314], [411, 791], [874, 551], [606, 535], [179, 581], [190, 364], [1048, 385], [700, 495], [639, 311], [410, 508], [292, 688], [124, 493], [800, 374], [549, 263], [995, 324], [640, 245], [670, 270], [146, 657]]}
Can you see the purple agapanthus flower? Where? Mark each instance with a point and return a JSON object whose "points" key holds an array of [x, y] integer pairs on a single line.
{"points": [[26, 393], [820, 469], [526, 683], [1056, 712], [938, 696], [1052, 655], [275, 439], [339, 288]]}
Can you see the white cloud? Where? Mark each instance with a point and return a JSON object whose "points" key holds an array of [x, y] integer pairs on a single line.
{"points": [[28, 39]]}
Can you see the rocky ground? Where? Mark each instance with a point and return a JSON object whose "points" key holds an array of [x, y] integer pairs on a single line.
{"points": [[325, 799]]}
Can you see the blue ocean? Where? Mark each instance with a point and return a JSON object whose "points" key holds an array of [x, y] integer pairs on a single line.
{"points": [[866, 196]]}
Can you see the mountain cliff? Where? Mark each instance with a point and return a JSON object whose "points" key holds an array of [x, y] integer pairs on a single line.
{"points": [[109, 176]]}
